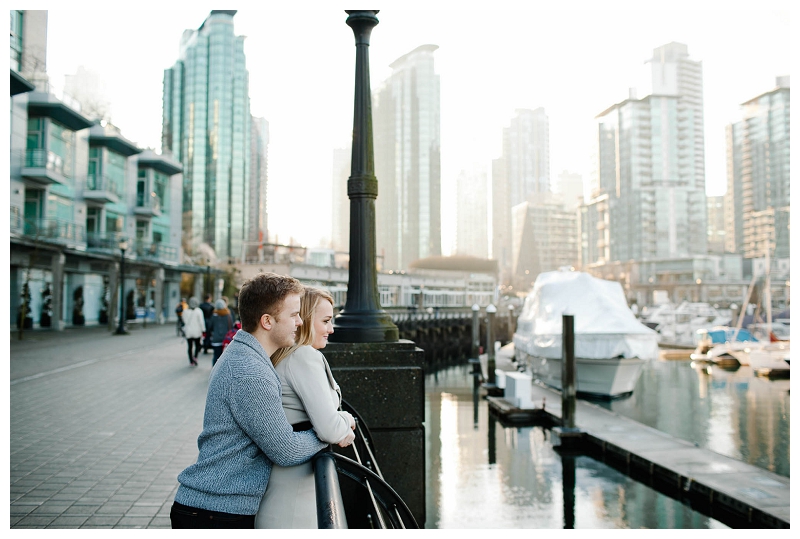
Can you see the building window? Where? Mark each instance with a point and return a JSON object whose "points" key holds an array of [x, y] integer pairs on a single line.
{"points": [[16, 40]]}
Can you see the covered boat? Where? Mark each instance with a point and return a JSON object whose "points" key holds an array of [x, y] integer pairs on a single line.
{"points": [[611, 345]]}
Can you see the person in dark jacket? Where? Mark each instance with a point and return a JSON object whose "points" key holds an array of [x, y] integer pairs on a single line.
{"points": [[208, 309], [221, 324]]}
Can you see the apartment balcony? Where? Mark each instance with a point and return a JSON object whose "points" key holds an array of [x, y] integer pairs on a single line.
{"points": [[155, 251], [45, 168], [102, 190], [147, 205], [107, 242], [55, 230], [16, 224]]}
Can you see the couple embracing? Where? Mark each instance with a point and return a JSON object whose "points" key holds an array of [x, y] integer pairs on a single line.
{"points": [[272, 404]]}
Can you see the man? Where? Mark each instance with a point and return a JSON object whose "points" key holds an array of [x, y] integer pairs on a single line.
{"points": [[208, 309], [244, 426], [179, 310]]}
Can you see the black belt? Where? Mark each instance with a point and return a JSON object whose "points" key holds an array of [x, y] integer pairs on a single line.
{"points": [[303, 425]]}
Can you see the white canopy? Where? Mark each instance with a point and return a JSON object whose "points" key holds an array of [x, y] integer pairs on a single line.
{"points": [[604, 325]]}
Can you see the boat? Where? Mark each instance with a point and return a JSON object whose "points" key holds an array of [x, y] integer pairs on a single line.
{"points": [[677, 325], [611, 345], [724, 345]]}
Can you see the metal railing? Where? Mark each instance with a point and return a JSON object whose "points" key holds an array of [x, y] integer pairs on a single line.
{"points": [[100, 182], [54, 229], [155, 250], [41, 158], [385, 508]]}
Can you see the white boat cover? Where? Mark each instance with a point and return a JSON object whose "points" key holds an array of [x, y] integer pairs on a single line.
{"points": [[604, 325]]}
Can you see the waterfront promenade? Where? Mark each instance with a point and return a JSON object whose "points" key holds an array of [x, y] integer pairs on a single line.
{"points": [[100, 426]]}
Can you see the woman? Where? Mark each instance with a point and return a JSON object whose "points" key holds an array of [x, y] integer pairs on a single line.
{"points": [[221, 324], [194, 326], [311, 399]]}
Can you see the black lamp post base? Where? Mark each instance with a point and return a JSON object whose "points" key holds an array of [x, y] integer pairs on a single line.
{"points": [[121, 331], [364, 327]]}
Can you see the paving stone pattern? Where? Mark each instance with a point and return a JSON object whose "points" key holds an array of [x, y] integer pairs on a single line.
{"points": [[100, 426]]}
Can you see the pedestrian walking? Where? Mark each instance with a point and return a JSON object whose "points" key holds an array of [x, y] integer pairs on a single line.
{"points": [[221, 324], [194, 326], [179, 309], [245, 429], [208, 309]]}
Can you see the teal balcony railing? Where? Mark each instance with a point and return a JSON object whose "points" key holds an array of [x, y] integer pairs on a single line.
{"points": [[105, 241], [41, 158], [155, 251], [148, 201], [99, 182], [54, 230]]}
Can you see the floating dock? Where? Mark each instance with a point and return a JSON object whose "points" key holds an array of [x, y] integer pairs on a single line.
{"points": [[734, 492]]}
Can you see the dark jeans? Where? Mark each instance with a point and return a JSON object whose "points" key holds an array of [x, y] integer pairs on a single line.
{"points": [[207, 339], [217, 353], [183, 517], [196, 343]]}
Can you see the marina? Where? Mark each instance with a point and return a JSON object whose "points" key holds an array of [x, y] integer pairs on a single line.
{"points": [[739, 422]]}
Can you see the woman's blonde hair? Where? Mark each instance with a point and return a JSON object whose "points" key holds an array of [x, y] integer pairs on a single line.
{"points": [[305, 333]]}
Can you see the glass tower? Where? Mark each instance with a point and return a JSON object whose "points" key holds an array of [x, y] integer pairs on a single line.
{"points": [[206, 126], [407, 161]]}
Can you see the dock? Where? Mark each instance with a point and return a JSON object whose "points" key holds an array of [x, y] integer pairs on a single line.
{"points": [[732, 491]]}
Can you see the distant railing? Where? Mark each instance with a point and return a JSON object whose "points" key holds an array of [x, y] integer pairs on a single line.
{"points": [[155, 250], [54, 229], [99, 182], [147, 200], [41, 158], [106, 241], [386, 509], [16, 219]]}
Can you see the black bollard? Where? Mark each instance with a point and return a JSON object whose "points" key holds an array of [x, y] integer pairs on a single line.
{"points": [[476, 330], [568, 390], [490, 362], [568, 484]]}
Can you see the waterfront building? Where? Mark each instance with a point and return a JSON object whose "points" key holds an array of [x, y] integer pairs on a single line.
{"points": [[258, 185], [472, 217], [716, 224], [649, 168], [570, 187], [206, 126], [407, 160], [79, 187], [340, 226], [545, 238], [523, 171], [757, 199]]}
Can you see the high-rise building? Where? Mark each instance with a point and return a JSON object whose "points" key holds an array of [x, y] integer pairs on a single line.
{"points": [[340, 214], [407, 161], [649, 161], [757, 199], [570, 187], [544, 239], [89, 89], [716, 225], [521, 173], [259, 159], [472, 213], [206, 125]]}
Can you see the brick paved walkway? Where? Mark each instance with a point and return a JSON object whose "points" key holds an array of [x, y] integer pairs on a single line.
{"points": [[100, 426]]}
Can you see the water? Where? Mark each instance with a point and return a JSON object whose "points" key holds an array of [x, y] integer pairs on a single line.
{"points": [[734, 413], [482, 475]]}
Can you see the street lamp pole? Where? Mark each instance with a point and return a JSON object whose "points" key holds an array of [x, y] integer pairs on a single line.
{"points": [[123, 246], [362, 320]]}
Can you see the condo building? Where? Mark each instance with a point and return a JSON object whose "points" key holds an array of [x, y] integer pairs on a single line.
{"points": [[206, 126], [407, 161]]}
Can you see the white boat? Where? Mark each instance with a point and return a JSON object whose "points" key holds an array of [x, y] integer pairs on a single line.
{"points": [[678, 325], [611, 345], [774, 357]]}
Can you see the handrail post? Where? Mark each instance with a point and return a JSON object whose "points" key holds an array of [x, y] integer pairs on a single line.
{"points": [[330, 506]]}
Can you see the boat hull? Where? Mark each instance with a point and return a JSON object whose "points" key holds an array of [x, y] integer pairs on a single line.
{"points": [[607, 378]]}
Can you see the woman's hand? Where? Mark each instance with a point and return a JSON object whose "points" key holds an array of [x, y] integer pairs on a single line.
{"points": [[347, 440]]}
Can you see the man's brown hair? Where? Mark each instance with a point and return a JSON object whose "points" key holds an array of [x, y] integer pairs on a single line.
{"points": [[264, 294]]}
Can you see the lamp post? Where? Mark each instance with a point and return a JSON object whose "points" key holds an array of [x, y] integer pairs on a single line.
{"points": [[123, 246], [362, 320]]}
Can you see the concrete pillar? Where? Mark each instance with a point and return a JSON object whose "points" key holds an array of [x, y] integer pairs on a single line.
{"points": [[57, 269], [158, 302], [198, 288], [113, 293]]}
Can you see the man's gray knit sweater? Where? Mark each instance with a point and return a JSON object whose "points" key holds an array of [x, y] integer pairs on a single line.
{"points": [[244, 432]]}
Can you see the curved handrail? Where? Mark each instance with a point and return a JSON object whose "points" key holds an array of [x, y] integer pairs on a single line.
{"points": [[363, 443], [380, 491], [330, 506]]}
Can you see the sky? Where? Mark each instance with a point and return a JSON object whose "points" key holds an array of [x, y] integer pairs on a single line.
{"points": [[574, 61]]}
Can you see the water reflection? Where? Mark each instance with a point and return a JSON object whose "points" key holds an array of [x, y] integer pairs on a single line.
{"points": [[496, 477], [732, 412]]}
